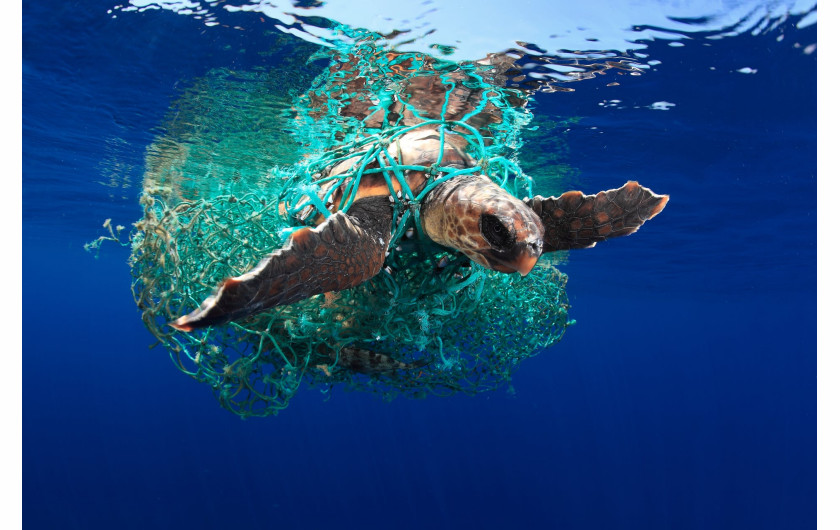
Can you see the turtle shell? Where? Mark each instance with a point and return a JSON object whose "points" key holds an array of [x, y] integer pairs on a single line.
{"points": [[418, 147]]}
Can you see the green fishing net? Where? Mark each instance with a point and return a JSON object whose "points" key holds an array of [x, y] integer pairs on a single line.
{"points": [[447, 324]]}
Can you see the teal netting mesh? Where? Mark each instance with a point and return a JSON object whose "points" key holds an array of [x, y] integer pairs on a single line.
{"points": [[454, 325]]}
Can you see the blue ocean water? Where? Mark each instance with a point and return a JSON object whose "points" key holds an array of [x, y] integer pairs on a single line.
{"points": [[684, 397]]}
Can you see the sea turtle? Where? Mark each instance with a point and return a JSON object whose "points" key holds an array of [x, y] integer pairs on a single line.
{"points": [[468, 213]]}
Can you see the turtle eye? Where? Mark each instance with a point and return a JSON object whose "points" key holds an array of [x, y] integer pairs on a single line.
{"points": [[495, 232]]}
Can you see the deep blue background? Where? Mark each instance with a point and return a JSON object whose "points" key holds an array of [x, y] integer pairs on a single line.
{"points": [[683, 398]]}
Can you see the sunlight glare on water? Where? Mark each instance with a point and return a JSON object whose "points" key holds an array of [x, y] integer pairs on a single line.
{"points": [[471, 29]]}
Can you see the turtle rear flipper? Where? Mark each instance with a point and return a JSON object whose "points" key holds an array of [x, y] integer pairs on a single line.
{"points": [[364, 361], [574, 220], [342, 252]]}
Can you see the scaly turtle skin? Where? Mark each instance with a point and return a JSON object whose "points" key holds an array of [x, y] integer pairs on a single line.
{"points": [[467, 213]]}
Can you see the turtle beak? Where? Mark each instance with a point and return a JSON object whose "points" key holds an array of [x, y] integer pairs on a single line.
{"points": [[530, 252], [524, 264]]}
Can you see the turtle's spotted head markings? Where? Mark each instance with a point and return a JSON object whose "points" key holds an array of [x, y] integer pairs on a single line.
{"points": [[510, 249], [474, 215]]}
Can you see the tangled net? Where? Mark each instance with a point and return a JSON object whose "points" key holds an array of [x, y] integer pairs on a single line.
{"points": [[454, 325]]}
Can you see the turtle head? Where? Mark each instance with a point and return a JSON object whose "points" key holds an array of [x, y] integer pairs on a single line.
{"points": [[512, 237], [474, 215]]}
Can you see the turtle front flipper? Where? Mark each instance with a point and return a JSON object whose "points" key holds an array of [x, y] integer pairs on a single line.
{"points": [[574, 220], [344, 251]]}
